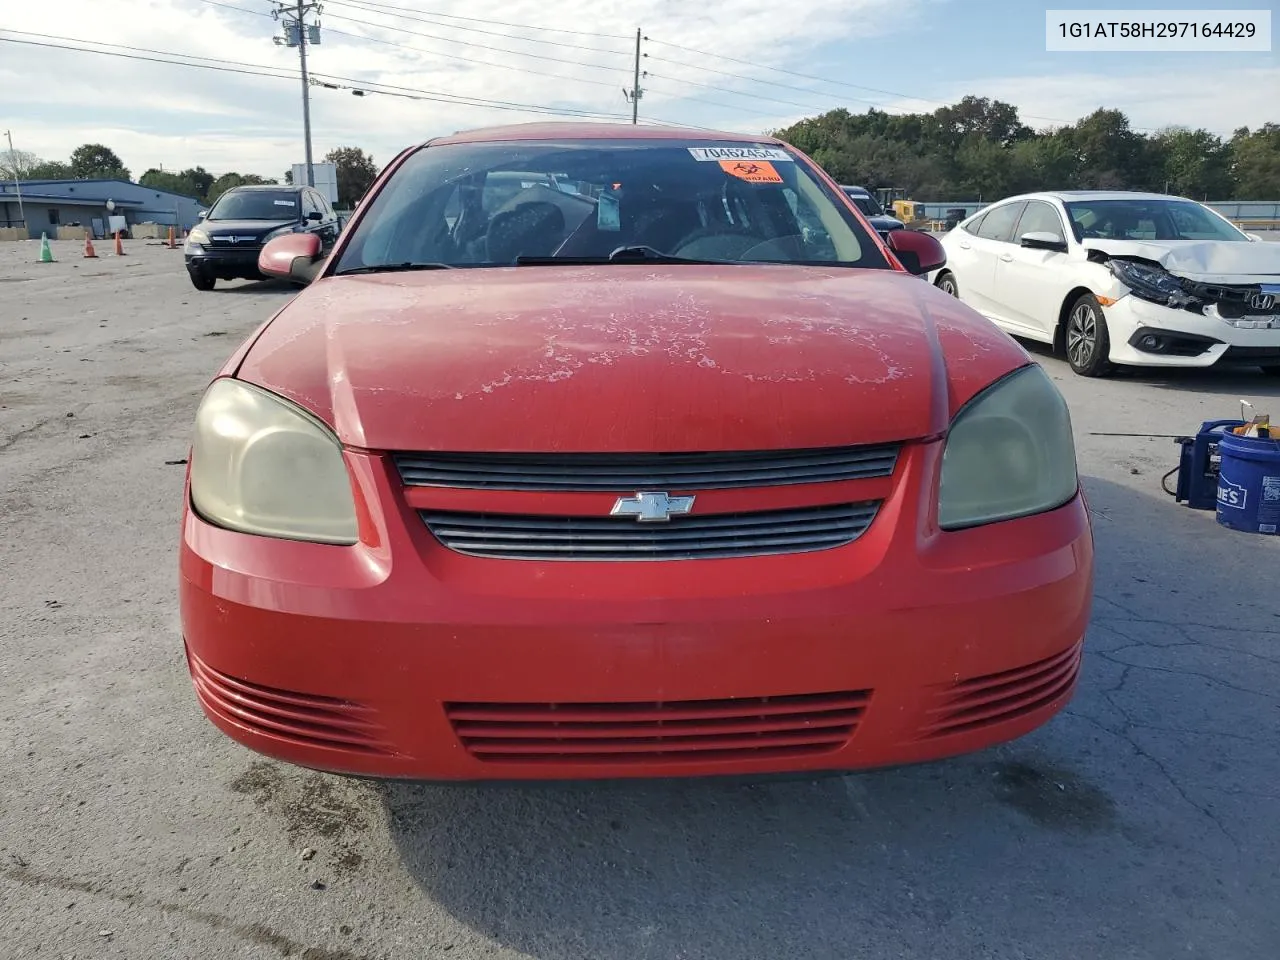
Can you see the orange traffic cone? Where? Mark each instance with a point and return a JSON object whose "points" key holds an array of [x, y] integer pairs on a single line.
{"points": [[119, 245], [89, 253], [171, 243]]}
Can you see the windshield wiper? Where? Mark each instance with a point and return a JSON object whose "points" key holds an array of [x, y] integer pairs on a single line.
{"points": [[634, 254], [394, 268]]}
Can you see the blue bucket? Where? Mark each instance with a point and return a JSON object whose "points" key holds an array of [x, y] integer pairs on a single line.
{"points": [[1249, 484]]}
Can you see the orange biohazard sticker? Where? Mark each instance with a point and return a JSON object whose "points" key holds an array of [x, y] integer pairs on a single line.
{"points": [[752, 171]]}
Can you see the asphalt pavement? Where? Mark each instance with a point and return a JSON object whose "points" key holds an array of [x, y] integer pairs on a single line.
{"points": [[1140, 824]]}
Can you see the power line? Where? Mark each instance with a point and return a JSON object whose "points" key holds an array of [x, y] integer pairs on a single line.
{"points": [[260, 70], [495, 23], [804, 76], [420, 50], [130, 56], [480, 46], [401, 13], [737, 93], [483, 63], [790, 73]]}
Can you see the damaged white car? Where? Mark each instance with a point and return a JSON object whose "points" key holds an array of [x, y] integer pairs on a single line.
{"points": [[1110, 278]]}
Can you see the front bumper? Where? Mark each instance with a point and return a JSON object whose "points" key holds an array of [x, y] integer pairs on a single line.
{"points": [[226, 264], [399, 658], [1184, 339]]}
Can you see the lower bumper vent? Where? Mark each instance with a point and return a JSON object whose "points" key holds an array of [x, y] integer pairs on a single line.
{"points": [[688, 730]]}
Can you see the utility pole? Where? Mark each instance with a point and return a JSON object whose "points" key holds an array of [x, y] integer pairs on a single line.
{"points": [[635, 93], [298, 33], [17, 181]]}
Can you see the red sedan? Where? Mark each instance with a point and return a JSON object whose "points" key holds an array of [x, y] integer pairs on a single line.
{"points": [[596, 451]]}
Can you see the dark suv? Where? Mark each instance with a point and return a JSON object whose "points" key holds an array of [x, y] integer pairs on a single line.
{"points": [[226, 243]]}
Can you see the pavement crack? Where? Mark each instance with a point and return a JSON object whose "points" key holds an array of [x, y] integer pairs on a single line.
{"points": [[1126, 734], [1216, 681], [26, 432], [255, 933]]}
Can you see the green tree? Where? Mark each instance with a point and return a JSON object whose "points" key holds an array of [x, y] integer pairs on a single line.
{"points": [[356, 173], [1255, 162], [18, 164], [180, 183], [1193, 163], [51, 170], [229, 180], [94, 161], [200, 179]]}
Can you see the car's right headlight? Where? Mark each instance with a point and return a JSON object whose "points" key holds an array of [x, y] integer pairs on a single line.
{"points": [[1009, 453], [197, 236], [262, 465]]}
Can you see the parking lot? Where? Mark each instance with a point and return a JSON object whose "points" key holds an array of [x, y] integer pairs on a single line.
{"points": [[1140, 823]]}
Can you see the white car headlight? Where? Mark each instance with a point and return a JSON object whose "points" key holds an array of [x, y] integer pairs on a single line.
{"points": [[1009, 453], [198, 236], [260, 464]]}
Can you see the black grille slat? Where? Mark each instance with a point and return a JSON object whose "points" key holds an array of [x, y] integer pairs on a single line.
{"points": [[626, 472], [715, 536]]}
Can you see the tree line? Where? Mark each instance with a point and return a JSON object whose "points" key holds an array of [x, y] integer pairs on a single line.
{"points": [[979, 149], [96, 161]]}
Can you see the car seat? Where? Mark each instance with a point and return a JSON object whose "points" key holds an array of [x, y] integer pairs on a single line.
{"points": [[532, 229]]}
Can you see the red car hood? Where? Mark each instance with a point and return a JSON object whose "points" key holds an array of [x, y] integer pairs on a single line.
{"points": [[628, 358]]}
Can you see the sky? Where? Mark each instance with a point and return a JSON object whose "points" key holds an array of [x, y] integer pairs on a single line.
{"points": [[745, 65]]}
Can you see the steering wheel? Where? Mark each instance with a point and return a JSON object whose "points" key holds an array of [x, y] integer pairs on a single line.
{"points": [[716, 244]]}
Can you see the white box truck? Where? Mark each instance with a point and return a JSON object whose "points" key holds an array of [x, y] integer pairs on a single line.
{"points": [[326, 178]]}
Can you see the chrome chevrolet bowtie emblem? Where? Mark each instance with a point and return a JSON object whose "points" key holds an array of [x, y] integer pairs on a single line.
{"points": [[651, 507]]}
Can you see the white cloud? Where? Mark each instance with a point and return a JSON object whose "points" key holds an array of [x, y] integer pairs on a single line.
{"points": [[153, 114]]}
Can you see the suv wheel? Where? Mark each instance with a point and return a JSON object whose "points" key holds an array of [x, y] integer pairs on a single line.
{"points": [[201, 280]]}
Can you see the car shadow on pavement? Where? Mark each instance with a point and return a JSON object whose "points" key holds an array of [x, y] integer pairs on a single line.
{"points": [[1140, 819], [256, 286], [1246, 380]]}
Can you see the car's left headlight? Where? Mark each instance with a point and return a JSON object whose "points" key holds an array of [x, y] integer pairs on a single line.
{"points": [[1009, 453], [262, 465], [1150, 283]]}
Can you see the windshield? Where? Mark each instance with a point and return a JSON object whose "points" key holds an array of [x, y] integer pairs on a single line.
{"points": [[866, 204], [255, 205], [1148, 219], [485, 204]]}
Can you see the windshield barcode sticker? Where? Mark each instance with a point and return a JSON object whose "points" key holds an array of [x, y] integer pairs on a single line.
{"points": [[739, 153]]}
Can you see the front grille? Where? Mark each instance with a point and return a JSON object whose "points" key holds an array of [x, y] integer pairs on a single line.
{"points": [[234, 247], [627, 472], [301, 718], [683, 730], [1232, 300], [1000, 697], [713, 536]]}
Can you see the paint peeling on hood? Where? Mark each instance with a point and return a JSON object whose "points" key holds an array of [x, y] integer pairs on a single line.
{"points": [[1204, 261], [628, 357]]}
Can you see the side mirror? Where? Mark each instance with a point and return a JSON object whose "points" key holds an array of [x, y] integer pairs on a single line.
{"points": [[202, 214], [1043, 241], [294, 257], [920, 253], [314, 216]]}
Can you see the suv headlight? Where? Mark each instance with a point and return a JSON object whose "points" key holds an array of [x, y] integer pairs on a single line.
{"points": [[260, 464], [197, 236], [1009, 453]]}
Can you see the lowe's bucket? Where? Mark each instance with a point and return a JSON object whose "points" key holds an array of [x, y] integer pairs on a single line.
{"points": [[1249, 483]]}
